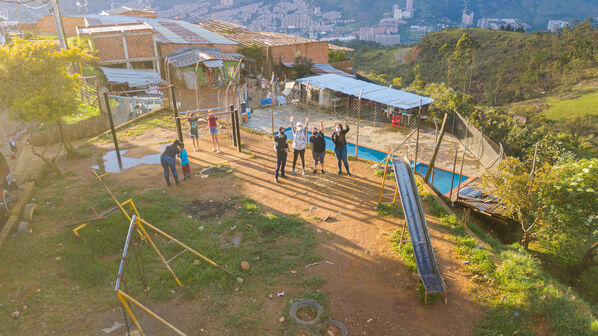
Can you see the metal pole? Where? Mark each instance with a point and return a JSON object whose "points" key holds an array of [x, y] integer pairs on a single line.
{"points": [[419, 114], [272, 98], [306, 106], [436, 148], [176, 114], [238, 129], [59, 25], [233, 125], [461, 171], [107, 103], [358, 122], [453, 174]]}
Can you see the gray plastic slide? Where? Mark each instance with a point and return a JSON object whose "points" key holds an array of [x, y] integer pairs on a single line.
{"points": [[418, 230]]}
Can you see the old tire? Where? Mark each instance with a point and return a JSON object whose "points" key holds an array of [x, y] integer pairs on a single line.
{"points": [[337, 324], [303, 304], [293, 331]]}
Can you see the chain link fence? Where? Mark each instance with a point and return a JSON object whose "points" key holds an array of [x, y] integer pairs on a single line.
{"points": [[127, 107]]}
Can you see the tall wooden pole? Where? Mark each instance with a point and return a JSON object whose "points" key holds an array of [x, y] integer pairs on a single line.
{"points": [[419, 114], [114, 139], [453, 174], [436, 148], [461, 171], [176, 114], [272, 98]]}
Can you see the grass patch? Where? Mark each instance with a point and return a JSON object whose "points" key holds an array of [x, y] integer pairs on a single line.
{"points": [[390, 210], [582, 104], [379, 172], [84, 111], [161, 121]]}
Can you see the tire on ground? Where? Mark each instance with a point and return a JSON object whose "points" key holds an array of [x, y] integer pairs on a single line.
{"points": [[303, 304]]}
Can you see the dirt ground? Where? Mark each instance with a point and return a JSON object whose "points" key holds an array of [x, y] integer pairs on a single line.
{"points": [[366, 280], [369, 288]]}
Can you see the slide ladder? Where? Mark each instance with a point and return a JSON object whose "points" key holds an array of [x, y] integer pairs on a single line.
{"points": [[418, 229]]}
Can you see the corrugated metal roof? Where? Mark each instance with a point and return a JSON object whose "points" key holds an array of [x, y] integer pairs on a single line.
{"points": [[246, 37], [192, 55], [114, 28], [132, 77], [373, 92], [327, 69], [166, 30]]}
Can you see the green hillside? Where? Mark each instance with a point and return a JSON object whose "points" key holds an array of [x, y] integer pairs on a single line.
{"points": [[505, 66]]}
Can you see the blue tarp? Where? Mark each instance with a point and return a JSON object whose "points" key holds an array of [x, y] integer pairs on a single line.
{"points": [[373, 92]]}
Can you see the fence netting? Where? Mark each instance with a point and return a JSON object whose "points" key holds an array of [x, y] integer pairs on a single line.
{"points": [[486, 151], [126, 106]]}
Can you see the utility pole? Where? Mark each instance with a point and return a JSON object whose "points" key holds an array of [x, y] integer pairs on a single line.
{"points": [[59, 25]]}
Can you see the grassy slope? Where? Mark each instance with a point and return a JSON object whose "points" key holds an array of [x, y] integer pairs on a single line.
{"points": [[521, 298], [561, 107]]}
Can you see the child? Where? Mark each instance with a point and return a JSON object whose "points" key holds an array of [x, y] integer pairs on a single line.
{"points": [[193, 131], [281, 146], [184, 162], [318, 147], [212, 123], [299, 143]]}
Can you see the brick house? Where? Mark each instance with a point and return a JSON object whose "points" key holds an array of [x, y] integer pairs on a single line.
{"points": [[46, 25], [132, 46]]}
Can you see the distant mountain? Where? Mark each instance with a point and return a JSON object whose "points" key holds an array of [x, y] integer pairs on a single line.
{"points": [[341, 15]]}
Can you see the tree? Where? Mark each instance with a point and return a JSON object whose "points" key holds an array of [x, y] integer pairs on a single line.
{"points": [[522, 194], [35, 82], [336, 56], [463, 58], [572, 214], [302, 66]]}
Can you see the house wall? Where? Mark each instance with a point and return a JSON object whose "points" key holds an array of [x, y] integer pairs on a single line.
{"points": [[346, 66], [47, 26], [316, 51], [112, 49]]}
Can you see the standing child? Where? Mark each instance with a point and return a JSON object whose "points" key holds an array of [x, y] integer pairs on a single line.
{"points": [[184, 162], [213, 124], [299, 143], [340, 146], [281, 146], [318, 147], [193, 130]]}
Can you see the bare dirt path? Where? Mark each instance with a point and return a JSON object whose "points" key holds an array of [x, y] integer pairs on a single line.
{"points": [[369, 288]]}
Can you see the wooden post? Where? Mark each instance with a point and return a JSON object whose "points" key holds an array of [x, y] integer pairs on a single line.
{"points": [[436, 148], [176, 114], [419, 113], [358, 122], [453, 175], [306, 106], [107, 103], [461, 171]]}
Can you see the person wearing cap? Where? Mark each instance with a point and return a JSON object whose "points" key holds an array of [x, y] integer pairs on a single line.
{"points": [[299, 143], [318, 147]]}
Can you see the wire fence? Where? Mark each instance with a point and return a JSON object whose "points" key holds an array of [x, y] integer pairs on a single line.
{"points": [[486, 151], [125, 107], [89, 92]]}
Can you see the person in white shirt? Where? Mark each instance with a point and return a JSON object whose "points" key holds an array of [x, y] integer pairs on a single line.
{"points": [[299, 143]]}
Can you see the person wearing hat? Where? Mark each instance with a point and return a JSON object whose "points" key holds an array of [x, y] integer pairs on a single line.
{"points": [[299, 143]]}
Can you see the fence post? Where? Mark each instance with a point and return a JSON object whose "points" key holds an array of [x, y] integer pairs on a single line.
{"points": [[453, 174], [272, 100], [436, 148], [419, 115], [233, 125], [358, 122], [461, 172], [107, 103], [238, 129], [176, 114]]}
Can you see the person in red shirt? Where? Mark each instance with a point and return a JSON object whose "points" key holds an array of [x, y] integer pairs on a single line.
{"points": [[213, 125]]}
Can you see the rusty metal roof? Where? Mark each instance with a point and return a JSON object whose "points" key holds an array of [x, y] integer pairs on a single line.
{"points": [[244, 36], [166, 30]]}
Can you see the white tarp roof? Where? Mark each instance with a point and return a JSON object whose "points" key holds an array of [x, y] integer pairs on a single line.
{"points": [[373, 92], [132, 77]]}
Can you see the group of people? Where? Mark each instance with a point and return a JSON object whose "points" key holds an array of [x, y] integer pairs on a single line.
{"points": [[177, 148], [318, 143], [281, 146]]}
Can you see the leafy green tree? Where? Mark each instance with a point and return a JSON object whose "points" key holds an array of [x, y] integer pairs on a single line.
{"points": [[36, 84], [336, 56], [463, 59], [572, 214], [522, 194], [302, 66]]}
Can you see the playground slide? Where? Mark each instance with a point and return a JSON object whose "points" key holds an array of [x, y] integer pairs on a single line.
{"points": [[418, 229]]}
